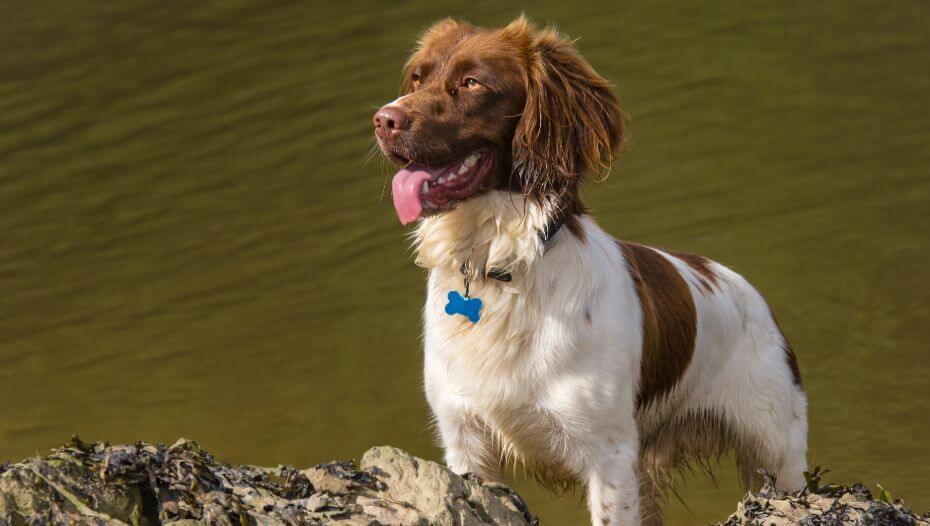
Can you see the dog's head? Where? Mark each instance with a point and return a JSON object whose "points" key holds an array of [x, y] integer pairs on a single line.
{"points": [[513, 108]]}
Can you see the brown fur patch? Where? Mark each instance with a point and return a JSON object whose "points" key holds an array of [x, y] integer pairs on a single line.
{"points": [[699, 264], [669, 321], [789, 352]]}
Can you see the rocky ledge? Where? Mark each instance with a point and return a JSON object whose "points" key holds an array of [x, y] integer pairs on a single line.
{"points": [[181, 484], [144, 484], [822, 504]]}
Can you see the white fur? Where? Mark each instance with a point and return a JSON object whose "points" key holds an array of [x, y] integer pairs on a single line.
{"points": [[536, 382]]}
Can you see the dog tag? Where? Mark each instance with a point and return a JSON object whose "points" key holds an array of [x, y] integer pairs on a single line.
{"points": [[468, 307]]}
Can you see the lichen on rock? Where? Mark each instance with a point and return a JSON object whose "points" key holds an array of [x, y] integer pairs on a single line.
{"points": [[144, 484], [821, 505]]}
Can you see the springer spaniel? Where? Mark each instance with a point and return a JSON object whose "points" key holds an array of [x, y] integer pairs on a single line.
{"points": [[547, 341]]}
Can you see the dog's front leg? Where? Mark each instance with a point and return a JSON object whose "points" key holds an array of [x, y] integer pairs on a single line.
{"points": [[613, 487], [467, 444]]}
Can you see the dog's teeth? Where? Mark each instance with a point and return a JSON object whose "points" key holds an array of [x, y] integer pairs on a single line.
{"points": [[470, 161], [451, 177], [464, 168], [425, 187]]}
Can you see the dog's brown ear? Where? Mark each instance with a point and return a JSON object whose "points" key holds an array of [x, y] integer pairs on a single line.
{"points": [[572, 124]]}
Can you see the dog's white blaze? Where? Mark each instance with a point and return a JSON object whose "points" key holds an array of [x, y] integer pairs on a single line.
{"points": [[549, 375]]}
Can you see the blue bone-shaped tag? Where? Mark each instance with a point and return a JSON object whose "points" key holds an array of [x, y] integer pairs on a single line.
{"points": [[468, 307]]}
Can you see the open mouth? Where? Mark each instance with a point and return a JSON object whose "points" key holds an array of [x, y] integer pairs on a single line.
{"points": [[420, 190]]}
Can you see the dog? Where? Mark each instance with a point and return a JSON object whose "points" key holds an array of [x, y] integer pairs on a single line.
{"points": [[548, 342]]}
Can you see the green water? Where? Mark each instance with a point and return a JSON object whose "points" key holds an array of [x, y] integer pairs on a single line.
{"points": [[192, 243]]}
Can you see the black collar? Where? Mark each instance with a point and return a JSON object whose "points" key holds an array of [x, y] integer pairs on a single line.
{"points": [[545, 235], [551, 229]]}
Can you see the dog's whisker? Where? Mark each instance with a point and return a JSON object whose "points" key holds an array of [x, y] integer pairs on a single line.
{"points": [[371, 154], [383, 184]]}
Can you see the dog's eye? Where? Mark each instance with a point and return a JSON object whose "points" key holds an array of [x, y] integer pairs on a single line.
{"points": [[415, 79], [471, 82]]}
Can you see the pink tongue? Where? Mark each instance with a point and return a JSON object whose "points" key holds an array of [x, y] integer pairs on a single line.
{"points": [[406, 187]]}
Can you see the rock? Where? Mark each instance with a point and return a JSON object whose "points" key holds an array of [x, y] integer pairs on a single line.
{"points": [[440, 496], [182, 485], [820, 505], [144, 484]]}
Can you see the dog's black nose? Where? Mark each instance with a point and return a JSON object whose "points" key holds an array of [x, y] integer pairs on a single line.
{"points": [[391, 118]]}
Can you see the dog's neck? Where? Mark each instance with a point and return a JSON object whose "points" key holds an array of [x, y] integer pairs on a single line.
{"points": [[499, 230]]}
